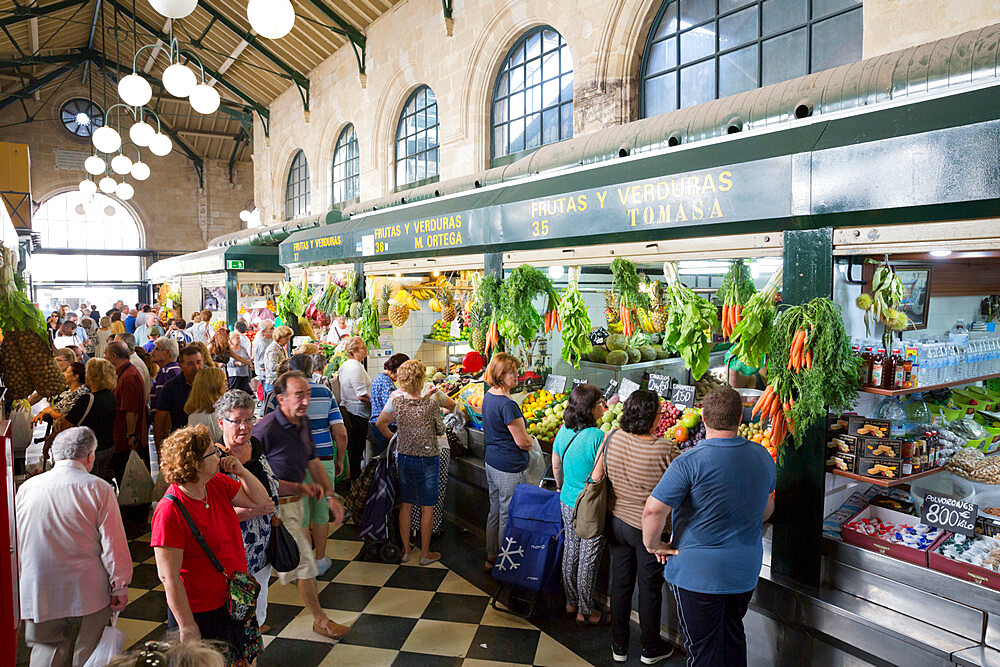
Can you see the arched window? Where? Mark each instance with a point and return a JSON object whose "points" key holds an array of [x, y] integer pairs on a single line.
{"points": [[533, 94], [73, 231], [417, 139], [701, 50], [297, 188], [345, 166]]}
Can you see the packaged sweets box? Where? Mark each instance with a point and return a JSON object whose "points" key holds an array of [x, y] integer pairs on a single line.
{"points": [[956, 568], [876, 543]]}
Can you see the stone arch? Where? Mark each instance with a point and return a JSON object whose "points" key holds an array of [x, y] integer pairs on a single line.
{"points": [[281, 178], [499, 34], [392, 98], [328, 142], [132, 206]]}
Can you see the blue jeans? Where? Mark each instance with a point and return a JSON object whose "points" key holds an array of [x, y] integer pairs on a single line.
{"points": [[418, 479]]}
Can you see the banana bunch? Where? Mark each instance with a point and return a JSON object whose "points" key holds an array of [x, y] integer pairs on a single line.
{"points": [[405, 298], [422, 294], [435, 305], [646, 321]]}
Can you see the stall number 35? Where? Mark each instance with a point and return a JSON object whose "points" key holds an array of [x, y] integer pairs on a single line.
{"points": [[540, 228]]}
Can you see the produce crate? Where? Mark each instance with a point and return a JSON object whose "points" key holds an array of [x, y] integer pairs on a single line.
{"points": [[872, 543], [965, 571], [475, 419]]}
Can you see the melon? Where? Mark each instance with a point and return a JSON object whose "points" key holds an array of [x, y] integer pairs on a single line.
{"points": [[634, 356], [598, 355], [617, 358], [647, 353], [616, 342]]}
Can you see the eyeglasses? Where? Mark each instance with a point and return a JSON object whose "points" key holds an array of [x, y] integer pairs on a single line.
{"points": [[249, 422], [215, 452]]}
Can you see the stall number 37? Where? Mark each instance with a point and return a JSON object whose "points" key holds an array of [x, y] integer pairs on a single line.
{"points": [[540, 228]]}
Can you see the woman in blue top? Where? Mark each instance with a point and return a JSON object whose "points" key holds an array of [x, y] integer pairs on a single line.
{"points": [[507, 447], [382, 387], [573, 453]]}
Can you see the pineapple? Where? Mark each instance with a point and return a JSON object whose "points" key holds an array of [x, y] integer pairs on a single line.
{"points": [[355, 310], [446, 296], [478, 324], [383, 304], [398, 313], [611, 307], [657, 317]]}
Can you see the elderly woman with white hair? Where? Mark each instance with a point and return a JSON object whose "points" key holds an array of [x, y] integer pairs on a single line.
{"points": [[235, 411], [65, 615]]}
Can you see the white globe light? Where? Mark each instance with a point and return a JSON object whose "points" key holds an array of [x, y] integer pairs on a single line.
{"points": [[88, 187], [108, 184], [205, 99], [179, 80], [174, 9], [94, 165], [160, 144], [140, 133], [245, 215], [106, 139], [140, 170], [121, 164], [272, 19], [124, 191], [134, 90]]}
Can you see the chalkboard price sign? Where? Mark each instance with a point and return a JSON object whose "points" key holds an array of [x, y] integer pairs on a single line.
{"points": [[611, 390], [682, 395], [957, 516], [555, 384], [626, 389], [577, 382], [660, 384]]}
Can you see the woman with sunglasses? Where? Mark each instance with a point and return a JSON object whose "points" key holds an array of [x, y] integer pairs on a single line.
{"points": [[235, 410], [196, 592]]}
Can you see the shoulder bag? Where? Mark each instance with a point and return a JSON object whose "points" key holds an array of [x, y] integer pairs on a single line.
{"points": [[241, 602], [591, 507]]}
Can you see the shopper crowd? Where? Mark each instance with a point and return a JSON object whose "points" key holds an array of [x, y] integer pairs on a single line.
{"points": [[242, 475]]}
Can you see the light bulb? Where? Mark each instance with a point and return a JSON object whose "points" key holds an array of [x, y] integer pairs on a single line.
{"points": [[160, 144], [140, 170], [272, 19], [179, 80], [174, 9], [106, 139], [134, 90], [88, 187], [140, 133], [245, 215], [121, 164], [204, 98], [94, 165], [124, 191], [108, 185]]}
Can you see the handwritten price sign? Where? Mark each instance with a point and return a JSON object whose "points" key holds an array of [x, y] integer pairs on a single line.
{"points": [[957, 516]]}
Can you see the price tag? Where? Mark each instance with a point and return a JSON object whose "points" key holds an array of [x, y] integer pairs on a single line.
{"points": [[456, 328], [626, 389], [577, 382], [611, 390], [957, 516], [682, 395], [660, 384], [555, 384]]}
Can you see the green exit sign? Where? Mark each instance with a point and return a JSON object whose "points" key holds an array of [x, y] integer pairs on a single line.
{"points": [[234, 264]]}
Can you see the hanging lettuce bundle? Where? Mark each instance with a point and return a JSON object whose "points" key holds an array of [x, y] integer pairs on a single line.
{"points": [[575, 322], [690, 320]]}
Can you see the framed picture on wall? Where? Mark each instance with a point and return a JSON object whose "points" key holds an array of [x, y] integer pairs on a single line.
{"points": [[916, 280]]}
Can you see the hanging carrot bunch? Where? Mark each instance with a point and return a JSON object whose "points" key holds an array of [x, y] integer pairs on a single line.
{"points": [[626, 281], [552, 320], [736, 290]]}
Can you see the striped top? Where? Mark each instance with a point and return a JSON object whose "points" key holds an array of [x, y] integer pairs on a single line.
{"points": [[635, 466]]}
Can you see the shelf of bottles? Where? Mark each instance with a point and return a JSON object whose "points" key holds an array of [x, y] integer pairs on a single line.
{"points": [[914, 367]]}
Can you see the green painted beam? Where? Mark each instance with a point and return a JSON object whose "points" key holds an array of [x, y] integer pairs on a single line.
{"points": [[356, 37], [261, 110], [29, 60], [37, 84], [21, 13]]}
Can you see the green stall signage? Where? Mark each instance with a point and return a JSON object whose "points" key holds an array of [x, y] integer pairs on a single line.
{"points": [[420, 236]]}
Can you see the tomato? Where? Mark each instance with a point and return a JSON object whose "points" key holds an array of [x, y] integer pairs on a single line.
{"points": [[681, 433]]}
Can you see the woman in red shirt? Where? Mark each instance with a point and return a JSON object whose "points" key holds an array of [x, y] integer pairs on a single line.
{"points": [[197, 592]]}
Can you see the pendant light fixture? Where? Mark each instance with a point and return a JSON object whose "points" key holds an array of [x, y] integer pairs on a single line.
{"points": [[174, 9], [134, 90], [94, 165], [106, 139], [88, 187], [204, 98], [124, 191], [121, 164], [140, 170], [107, 185], [272, 19]]}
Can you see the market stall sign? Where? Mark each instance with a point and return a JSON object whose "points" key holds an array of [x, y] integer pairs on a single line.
{"points": [[577, 382], [958, 516], [422, 236], [555, 384], [682, 395], [235, 264], [660, 384], [733, 194], [626, 389], [326, 247]]}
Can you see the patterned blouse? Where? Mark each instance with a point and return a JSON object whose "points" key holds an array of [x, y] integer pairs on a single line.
{"points": [[273, 355], [257, 531], [65, 401], [419, 423], [382, 387]]}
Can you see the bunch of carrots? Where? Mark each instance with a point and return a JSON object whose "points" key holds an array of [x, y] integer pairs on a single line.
{"points": [[628, 318], [492, 336], [771, 406], [732, 314], [552, 320], [800, 356]]}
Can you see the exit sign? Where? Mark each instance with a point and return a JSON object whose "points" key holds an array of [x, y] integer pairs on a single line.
{"points": [[234, 264]]}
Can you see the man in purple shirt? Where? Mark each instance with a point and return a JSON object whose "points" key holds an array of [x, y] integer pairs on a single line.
{"points": [[164, 355], [286, 435]]}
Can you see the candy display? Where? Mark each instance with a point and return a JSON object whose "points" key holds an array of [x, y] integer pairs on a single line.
{"points": [[979, 550], [917, 535]]}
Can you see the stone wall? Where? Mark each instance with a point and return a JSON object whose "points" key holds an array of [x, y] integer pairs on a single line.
{"points": [[175, 214], [409, 46]]}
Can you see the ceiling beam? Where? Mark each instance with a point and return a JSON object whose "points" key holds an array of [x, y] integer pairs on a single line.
{"points": [[261, 110], [21, 13], [202, 134], [355, 36], [157, 48], [29, 89]]}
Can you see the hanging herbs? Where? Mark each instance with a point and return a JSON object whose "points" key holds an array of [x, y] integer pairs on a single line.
{"points": [[518, 317], [881, 305]]}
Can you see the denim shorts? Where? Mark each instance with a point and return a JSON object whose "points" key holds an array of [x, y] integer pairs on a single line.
{"points": [[418, 479]]}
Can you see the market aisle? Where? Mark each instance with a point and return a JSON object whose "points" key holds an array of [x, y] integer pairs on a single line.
{"points": [[399, 614]]}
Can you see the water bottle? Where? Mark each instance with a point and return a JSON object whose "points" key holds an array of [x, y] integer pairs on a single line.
{"points": [[892, 408]]}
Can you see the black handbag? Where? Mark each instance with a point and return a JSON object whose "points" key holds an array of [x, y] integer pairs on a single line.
{"points": [[282, 551]]}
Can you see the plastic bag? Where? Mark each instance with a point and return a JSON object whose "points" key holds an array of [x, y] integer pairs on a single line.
{"points": [[111, 644], [20, 426], [137, 483], [536, 463]]}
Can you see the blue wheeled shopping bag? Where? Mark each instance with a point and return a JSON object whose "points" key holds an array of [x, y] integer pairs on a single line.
{"points": [[529, 560]]}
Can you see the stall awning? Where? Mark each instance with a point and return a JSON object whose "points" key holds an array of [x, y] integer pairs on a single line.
{"points": [[259, 259]]}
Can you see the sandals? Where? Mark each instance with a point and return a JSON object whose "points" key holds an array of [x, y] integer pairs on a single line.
{"points": [[605, 619], [427, 561], [330, 630]]}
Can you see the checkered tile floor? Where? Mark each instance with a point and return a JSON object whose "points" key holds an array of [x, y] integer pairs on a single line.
{"points": [[398, 614]]}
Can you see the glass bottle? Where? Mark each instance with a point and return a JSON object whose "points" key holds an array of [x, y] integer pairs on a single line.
{"points": [[878, 368]]}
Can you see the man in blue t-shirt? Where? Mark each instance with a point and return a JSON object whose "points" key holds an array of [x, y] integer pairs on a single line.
{"points": [[719, 495]]}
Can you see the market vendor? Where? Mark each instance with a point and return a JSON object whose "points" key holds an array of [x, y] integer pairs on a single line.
{"points": [[339, 330], [742, 376]]}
